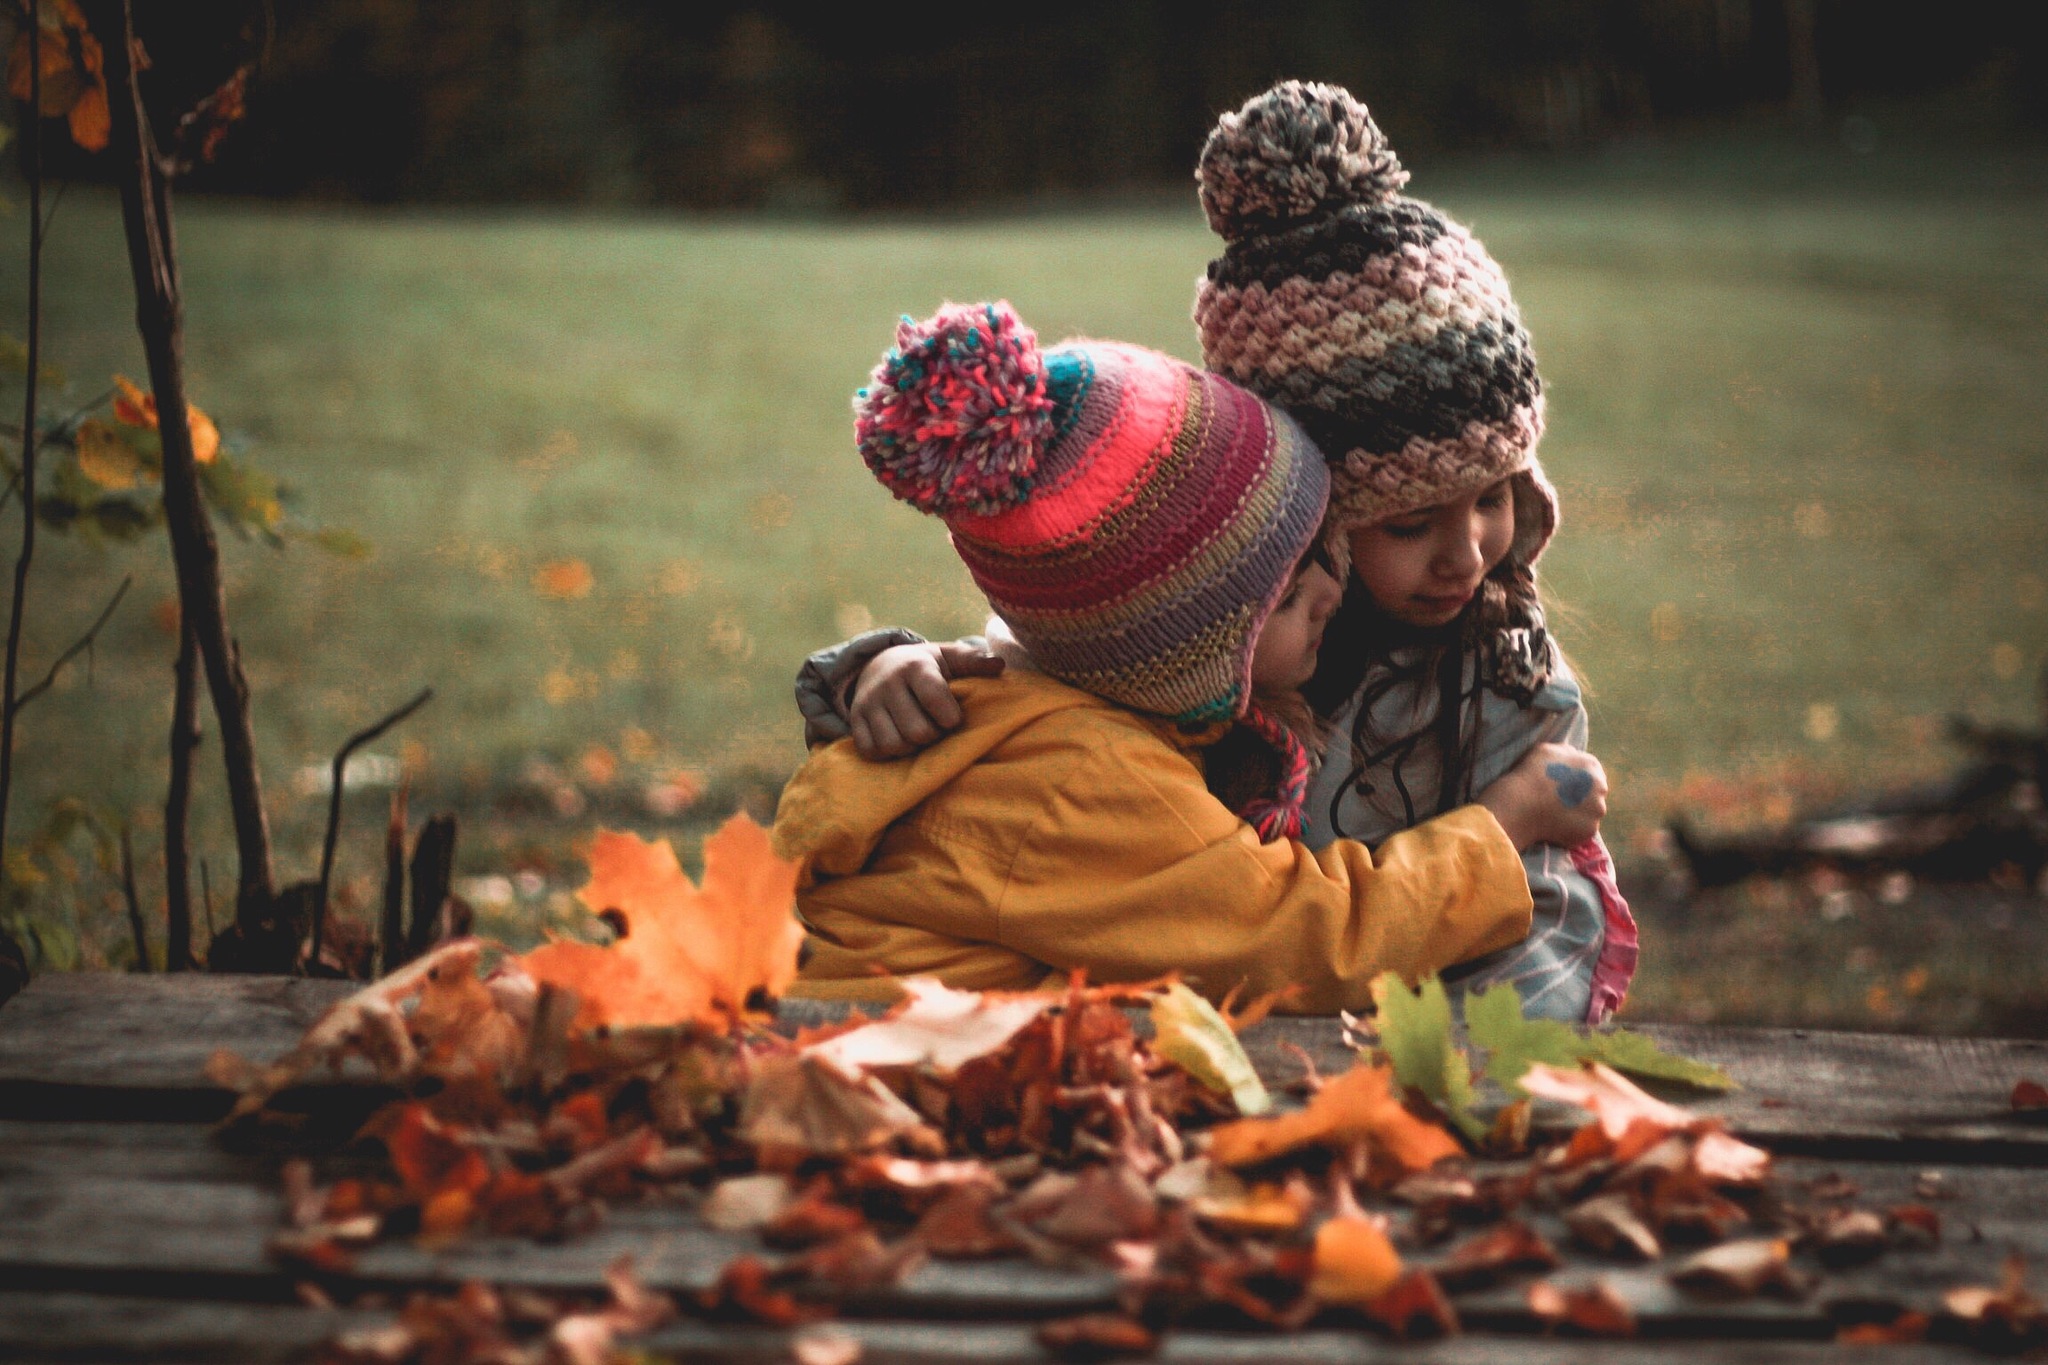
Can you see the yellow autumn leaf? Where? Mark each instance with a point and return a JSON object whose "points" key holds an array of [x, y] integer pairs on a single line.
{"points": [[138, 409], [205, 436], [106, 458]]}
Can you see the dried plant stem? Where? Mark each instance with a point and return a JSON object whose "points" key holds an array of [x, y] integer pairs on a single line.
{"points": [[78, 646], [393, 935], [177, 810], [134, 902], [355, 741]]}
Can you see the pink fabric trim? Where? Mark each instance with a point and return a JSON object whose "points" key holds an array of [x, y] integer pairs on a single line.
{"points": [[1619, 950]]}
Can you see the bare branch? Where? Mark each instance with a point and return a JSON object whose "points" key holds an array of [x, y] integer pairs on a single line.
{"points": [[355, 741], [177, 807], [10, 707], [78, 647], [134, 902]]}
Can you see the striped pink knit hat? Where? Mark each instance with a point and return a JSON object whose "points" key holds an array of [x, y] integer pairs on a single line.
{"points": [[1132, 519]]}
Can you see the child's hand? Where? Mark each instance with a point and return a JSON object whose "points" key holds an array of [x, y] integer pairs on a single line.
{"points": [[1555, 795], [901, 703]]}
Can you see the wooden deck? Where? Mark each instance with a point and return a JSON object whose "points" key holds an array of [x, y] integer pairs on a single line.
{"points": [[127, 1231]]}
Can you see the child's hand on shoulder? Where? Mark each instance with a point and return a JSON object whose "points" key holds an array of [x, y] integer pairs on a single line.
{"points": [[1555, 795], [901, 702]]}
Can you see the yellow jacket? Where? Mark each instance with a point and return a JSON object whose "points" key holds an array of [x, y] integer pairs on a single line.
{"points": [[1057, 830]]}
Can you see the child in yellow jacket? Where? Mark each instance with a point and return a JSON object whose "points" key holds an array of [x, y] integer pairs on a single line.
{"points": [[1149, 535]]}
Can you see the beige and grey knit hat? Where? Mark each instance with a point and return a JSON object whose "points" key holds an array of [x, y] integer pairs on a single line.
{"points": [[1377, 320]]}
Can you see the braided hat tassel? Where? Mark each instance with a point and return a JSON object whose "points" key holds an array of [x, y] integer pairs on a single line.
{"points": [[1278, 816]]}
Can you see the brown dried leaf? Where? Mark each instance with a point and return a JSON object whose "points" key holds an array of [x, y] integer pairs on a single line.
{"points": [[1414, 1308], [1902, 1330], [1610, 1223], [935, 1027], [803, 1104], [1846, 1237], [1596, 1309], [746, 1201], [1485, 1258], [1097, 1336], [1741, 1269], [958, 1225]]}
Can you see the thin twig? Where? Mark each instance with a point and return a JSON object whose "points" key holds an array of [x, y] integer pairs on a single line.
{"points": [[68, 425], [355, 742], [393, 935], [206, 898], [9, 706], [134, 901], [178, 806], [79, 646], [50, 215]]}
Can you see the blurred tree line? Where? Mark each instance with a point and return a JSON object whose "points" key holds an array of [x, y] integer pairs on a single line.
{"points": [[717, 103]]}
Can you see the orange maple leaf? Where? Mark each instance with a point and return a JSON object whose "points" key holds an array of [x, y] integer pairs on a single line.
{"points": [[688, 952], [138, 409], [1357, 1107]]}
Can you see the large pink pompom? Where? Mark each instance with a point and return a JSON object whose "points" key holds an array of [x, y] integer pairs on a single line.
{"points": [[957, 414]]}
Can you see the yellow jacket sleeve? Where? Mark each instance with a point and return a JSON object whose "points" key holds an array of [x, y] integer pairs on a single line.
{"points": [[1135, 869]]}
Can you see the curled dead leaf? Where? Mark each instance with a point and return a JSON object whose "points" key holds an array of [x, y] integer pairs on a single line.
{"points": [[801, 1104], [1487, 1257], [1846, 1237], [935, 1027], [1356, 1108], [1740, 1269], [1596, 1309], [1609, 1223]]}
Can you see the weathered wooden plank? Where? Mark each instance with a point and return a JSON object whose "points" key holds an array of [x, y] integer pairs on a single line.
{"points": [[140, 1151], [110, 1328], [95, 1327], [206, 1239], [93, 1045]]}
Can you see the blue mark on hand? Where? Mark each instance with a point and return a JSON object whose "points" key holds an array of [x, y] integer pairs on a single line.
{"points": [[1573, 784]]}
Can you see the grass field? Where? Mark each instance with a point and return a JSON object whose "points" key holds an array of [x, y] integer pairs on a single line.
{"points": [[1799, 423]]}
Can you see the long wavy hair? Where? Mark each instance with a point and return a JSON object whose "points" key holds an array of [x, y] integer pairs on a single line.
{"points": [[1363, 647]]}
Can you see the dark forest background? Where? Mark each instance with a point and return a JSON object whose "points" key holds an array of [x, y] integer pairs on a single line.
{"points": [[790, 106]]}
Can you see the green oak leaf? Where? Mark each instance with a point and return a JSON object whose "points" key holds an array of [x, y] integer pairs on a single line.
{"points": [[1493, 1020], [1415, 1035]]}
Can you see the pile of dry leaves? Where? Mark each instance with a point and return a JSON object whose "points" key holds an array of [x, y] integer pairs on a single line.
{"points": [[537, 1092]]}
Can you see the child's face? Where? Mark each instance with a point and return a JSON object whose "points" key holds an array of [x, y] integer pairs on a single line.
{"points": [[1285, 656], [1423, 567]]}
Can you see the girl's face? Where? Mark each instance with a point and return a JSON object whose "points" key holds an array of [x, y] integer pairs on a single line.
{"points": [[1285, 655], [1423, 567]]}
